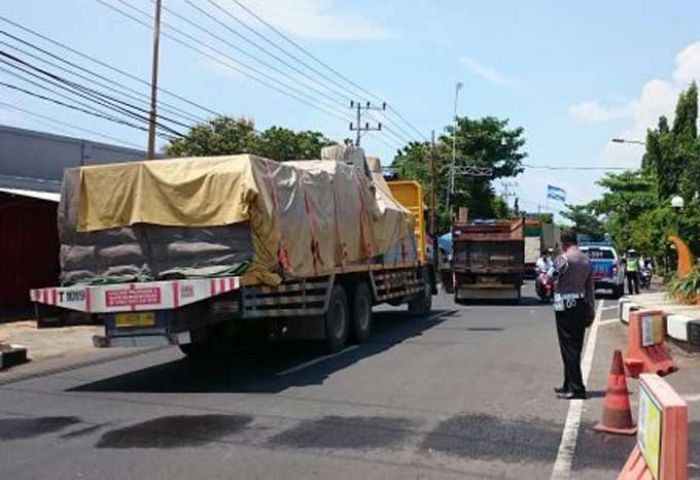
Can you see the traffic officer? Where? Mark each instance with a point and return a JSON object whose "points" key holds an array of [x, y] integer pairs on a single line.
{"points": [[632, 271], [574, 309]]}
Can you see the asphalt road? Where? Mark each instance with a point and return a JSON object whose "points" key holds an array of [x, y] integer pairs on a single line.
{"points": [[463, 393]]}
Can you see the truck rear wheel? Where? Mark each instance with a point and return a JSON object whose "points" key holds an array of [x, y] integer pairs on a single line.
{"points": [[196, 350], [336, 320], [361, 313], [423, 303]]}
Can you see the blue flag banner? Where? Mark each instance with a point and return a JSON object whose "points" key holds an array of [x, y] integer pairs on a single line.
{"points": [[556, 193]]}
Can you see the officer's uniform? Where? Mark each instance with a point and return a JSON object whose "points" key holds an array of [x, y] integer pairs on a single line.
{"points": [[574, 308], [632, 274]]}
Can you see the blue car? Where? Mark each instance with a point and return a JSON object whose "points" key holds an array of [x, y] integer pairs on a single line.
{"points": [[608, 271]]}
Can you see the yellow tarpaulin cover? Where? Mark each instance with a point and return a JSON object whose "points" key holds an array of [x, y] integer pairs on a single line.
{"points": [[306, 217]]}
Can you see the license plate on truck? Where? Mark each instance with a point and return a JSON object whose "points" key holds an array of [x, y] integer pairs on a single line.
{"points": [[135, 319]]}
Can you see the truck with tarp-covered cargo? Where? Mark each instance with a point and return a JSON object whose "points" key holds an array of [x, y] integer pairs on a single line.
{"points": [[197, 251]]}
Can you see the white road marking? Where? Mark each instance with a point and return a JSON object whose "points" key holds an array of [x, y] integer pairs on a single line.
{"points": [[608, 322], [692, 398], [323, 358], [314, 361], [613, 307], [567, 447]]}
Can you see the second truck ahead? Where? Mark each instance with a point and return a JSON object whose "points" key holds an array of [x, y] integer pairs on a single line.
{"points": [[488, 260]]}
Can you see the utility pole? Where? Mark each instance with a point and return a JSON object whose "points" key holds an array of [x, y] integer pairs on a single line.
{"points": [[451, 185], [154, 84], [358, 126], [507, 193], [431, 168]]}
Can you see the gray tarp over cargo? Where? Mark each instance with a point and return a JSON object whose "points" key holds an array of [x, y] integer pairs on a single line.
{"points": [[225, 215]]}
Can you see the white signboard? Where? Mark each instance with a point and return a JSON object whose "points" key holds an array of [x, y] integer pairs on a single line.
{"points": [[649, 430]]}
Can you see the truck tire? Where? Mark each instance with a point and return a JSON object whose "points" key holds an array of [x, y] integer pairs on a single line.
{"points": [[519, 298], [448, 284], [196, 351], [423, 302], [337, 320], [361, 313]]}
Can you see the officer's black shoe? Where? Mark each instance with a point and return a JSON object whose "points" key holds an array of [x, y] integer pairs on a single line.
{"points": [[561, 390], [573, 396]]}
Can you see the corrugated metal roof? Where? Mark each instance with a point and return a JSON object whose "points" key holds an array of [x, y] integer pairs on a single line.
{"points": [[48, 196]]}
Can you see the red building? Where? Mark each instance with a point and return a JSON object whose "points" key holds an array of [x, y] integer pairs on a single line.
{"points": [[28, 242], [31, 170]]}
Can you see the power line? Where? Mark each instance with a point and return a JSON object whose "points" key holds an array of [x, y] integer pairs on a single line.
{"points": [[317, 60], [66, 124], [322, 108], [106, 65], [410, 125], [92, 97], [259, 47], [108, 99], [238, 49], [306, 52], [551, 167], [383, 142], [77, 108], [110, 84]]}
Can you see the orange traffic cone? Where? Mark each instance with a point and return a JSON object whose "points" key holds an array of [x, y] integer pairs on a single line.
{"points": [[617, 417]]}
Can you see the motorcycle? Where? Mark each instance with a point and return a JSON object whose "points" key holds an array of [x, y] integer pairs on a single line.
{"points": [[544, 287], [645, 278]]}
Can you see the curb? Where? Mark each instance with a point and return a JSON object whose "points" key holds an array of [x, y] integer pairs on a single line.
{"points": [[11, 355], [685, 331], [625, 306]]}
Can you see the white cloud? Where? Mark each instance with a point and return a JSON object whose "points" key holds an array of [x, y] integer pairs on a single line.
{"points": [[594, 112], [657, 97], [319, 20], [485, 72]]}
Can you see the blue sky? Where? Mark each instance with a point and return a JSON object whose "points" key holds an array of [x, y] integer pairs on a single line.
{"points": [[573, 74]]}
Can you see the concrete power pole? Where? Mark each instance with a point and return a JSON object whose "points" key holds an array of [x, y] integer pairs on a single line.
{"points": [[431, 168], [154, 85], [358, 127]]}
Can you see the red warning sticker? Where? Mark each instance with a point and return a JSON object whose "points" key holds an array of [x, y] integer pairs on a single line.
{"points": [[132, 296]]}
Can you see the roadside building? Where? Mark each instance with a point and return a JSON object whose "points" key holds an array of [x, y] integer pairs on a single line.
{"points": [[31, 169]]}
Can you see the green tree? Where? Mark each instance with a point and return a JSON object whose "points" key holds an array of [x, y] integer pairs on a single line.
{"points": [[484, 142], [628, 195], [283, 144], [230, 136], [584, 221], [672, 156], [218, 136]]}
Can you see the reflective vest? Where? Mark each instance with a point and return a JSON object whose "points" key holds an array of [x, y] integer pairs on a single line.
{"points": [[632, 264]]}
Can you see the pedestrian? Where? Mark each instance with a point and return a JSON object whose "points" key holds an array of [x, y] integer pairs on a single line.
{"points": [[632, 271], [574, 310]]}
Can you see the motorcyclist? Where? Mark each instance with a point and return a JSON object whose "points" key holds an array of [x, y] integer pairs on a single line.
{"points": [[544, 263], [542, 266]]}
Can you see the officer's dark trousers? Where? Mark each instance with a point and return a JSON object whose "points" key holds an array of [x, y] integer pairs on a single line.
{"points": [[571, 329], [632, 282]]}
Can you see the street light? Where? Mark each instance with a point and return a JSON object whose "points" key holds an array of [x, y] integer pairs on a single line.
{"points": [[624, 140], [450, 190], [677, 202]]}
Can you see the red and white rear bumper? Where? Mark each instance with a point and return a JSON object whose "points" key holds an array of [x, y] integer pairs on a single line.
{"points": [[131, 297]]}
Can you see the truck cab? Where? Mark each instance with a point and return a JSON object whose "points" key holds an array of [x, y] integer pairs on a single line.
{"points": [[608, 271]]}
